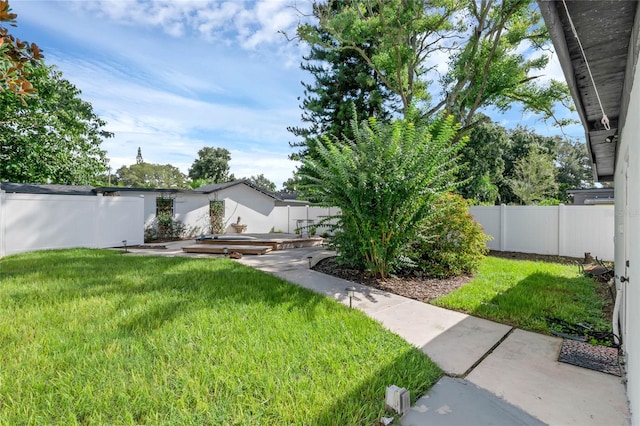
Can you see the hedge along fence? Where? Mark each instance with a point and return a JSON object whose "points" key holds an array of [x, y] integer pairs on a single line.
{"points": [[553, 230]]}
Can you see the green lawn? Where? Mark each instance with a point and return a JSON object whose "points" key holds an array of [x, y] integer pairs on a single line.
{"points": [[100, 337], [524, 293]]}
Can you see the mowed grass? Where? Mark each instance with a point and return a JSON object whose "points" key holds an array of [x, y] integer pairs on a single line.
{"points": [[524, 293], [101, 337]]}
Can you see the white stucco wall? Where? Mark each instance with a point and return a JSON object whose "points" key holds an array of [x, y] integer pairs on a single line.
{"points": [[261, 214], [253, 207], [627, 196], [256, 210]]}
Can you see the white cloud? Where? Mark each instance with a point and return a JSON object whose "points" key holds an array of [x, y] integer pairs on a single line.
{"points": [[170, 78], [276, 168]]}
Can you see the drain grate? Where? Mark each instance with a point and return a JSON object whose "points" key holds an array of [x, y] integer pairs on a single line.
{"points": [[582, 354]]}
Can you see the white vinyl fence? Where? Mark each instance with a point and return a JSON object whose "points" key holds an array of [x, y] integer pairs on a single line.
{"points": [[293, 219], [31, 222], [555, 230]]}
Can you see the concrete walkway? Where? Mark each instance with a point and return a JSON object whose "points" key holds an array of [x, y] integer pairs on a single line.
{"points": [[495, 375]]}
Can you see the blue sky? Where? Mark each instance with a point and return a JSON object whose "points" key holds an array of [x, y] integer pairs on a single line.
{"points": [[173, 77]]}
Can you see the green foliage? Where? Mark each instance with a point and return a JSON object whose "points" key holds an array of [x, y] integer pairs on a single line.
{"points": [[263, 182], [342, 81], [384, 182], [148, 175], [197, 183], [486, 67], [392, 37], [15, 57], [212, 164], [490, 157], [53, 136], [483, 164], [290, 185], [216, 216], [166, 227], [534, 178], [450, 243], [573, 169]]}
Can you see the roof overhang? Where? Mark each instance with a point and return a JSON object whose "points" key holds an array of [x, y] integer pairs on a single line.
{"points": [[604, 28]]}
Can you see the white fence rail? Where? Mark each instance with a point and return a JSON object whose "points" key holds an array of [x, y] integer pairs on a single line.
{"points": [[36, 221], [31, 222], [555, 230]]}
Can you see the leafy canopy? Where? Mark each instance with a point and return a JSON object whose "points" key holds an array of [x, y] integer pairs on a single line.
{"points": [[384, 182], [484, 41], [263, 182], [148, 175], [534, 179], [15, 57], [53, 136], [342, 81], [211, 165]]}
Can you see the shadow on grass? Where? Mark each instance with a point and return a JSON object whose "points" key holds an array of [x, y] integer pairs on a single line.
{"points": [[60, 276], [365, 402], [541, 295], [141, 294]]}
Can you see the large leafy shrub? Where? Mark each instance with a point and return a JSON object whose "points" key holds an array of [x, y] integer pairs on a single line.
{"points": [[384, 182], [451, 242]]}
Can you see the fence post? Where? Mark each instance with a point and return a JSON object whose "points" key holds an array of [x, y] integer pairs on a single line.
{"points": [[97, 221], [3, 240], [503, 226], [561, 229]]}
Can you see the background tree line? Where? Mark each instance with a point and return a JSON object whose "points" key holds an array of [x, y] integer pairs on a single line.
{"points": [[375, 58], [48, 134], [390, 133]]}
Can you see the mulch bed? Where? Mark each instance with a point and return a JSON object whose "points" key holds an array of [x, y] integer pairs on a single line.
{"points": [[423, 289]]}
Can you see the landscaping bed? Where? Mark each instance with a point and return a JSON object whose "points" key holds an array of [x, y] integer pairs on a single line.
{"points": [[424, 289], [519, 289]]}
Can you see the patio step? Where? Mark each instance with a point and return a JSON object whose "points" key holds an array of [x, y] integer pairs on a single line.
{"points": [[273, 243], [220, 248]]}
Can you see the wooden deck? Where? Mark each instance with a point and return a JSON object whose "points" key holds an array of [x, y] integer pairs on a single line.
{"points": [[220, 249], [258, 244], [274, 243]]}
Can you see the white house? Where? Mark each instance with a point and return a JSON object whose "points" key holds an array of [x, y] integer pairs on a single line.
{"points": [[260, 210], [597, 43]]}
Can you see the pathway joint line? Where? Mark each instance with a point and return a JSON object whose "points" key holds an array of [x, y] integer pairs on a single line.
{"points": [[483, 357]]}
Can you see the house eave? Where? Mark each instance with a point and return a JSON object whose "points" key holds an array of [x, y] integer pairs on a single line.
{"points": [[599, 85]]}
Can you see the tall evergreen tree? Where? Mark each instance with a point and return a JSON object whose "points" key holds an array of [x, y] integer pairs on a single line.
{"points": [[343, 84], [482, 163]]}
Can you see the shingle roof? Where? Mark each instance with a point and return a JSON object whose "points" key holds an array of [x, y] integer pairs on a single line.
{"points": [[32, 188]]}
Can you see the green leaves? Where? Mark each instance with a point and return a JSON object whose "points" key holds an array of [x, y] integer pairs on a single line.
{"points": [[148, 175], [383, 181], [52, 137], [15, 55], [535, 177], [212, 164]]}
